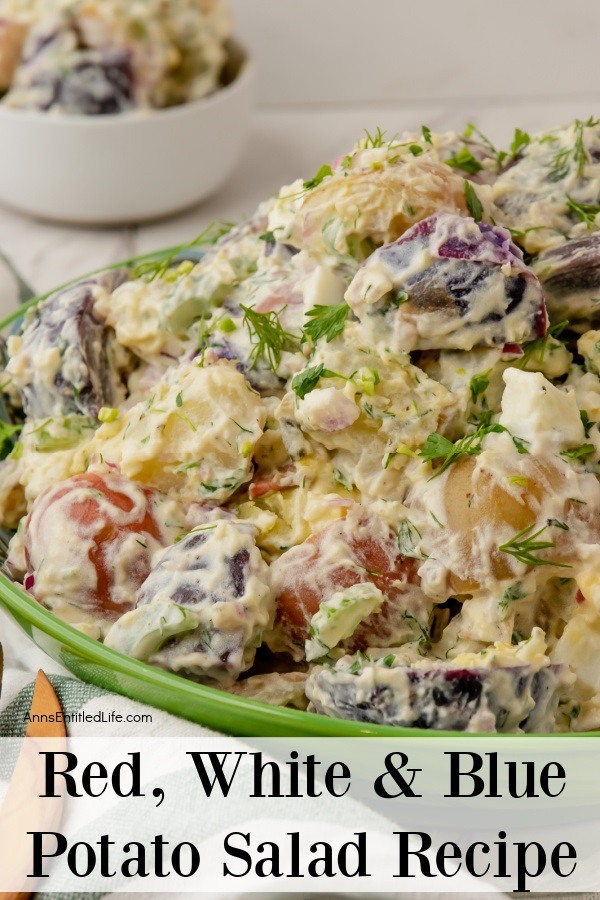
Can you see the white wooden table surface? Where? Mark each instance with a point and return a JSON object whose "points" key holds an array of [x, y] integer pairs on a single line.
{"points": [[283, 145]]}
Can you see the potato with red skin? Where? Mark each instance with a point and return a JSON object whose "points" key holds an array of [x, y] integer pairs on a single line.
{"points": [[356, 550], [89, 541]]}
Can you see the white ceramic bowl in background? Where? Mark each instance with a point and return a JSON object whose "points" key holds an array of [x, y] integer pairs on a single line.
{"points": [[129, 167]]}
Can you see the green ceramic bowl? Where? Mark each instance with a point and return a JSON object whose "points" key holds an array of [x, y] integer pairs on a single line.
{"points": [[93, 662]]}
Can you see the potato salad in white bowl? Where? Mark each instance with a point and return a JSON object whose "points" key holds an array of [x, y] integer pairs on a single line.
{"points": [[120, 110], [348, 460]]}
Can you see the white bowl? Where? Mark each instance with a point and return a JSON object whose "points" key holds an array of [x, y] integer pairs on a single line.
{"points": [[125, 168]]}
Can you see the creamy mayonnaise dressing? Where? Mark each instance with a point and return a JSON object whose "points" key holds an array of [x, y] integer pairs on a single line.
{"points": [[351, 456]]}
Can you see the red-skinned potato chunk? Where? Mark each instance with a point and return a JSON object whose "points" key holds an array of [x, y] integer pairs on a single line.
{"points": [[356, 550], [89, 541]]}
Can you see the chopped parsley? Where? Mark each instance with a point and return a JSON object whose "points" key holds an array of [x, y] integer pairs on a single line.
{"points": [[426, 132], [325, 321], [474, 204], [578, 452], [372, 141], [305, 382], [159, 263], [7, 433], [324, 172], [268, 237], [179, 400], [479, 384], [465, 161], [539, 346], [520, 140]]}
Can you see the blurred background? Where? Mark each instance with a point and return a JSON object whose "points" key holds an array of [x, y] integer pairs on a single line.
{"points": [[328, 69]]}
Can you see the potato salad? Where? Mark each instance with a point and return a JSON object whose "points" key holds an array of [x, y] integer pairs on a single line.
{"points": [[97, 57], [349, 460]]}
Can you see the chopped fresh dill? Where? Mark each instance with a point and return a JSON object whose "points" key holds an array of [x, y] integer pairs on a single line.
{"points": [[268, 336], [585, 212], [523, 546], [539, 346], [578, 452]]}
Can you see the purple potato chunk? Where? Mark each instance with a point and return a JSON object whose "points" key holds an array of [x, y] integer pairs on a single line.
{"points": [[100, 83], [218, 573], [508, 699], [570, 277], [58, 71], [88, 377], [449, 283]]}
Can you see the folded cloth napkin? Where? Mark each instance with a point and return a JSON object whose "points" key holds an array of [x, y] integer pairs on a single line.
{"points": [[22, 659]]}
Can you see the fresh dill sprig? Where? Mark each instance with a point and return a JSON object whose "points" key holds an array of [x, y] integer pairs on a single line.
{"points": [[523, 546], [578, 153], [471, 129], [150, 269], [585, 212], [439, 448], [325, 321], [268, 337], [579, 452]]}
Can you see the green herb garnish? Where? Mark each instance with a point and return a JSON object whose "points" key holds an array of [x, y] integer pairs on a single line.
{"points": [[465, 161], [305, 382], [520, 140], [585, 421], [479, 384], [326, 321], [268, 336], [408, 538], [474, 204], [539, 346], [314, 182], [578, 452], [157, 265], [585, 212], [511, 594], [7, 433], [523, 547], [437, 447]]}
